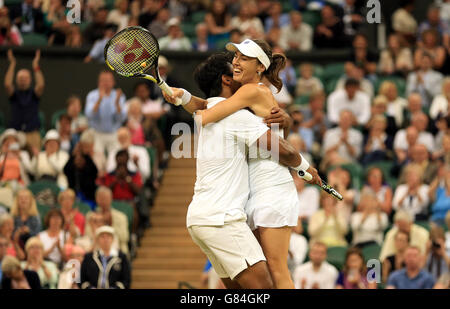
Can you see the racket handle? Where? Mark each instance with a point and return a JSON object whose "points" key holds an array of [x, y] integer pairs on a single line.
{"points": [[328, 189], [164, 87]]}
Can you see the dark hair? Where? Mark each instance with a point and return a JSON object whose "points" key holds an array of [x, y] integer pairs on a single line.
{"points": [[122, 152], [277, 63], [371, 169], [72, 98], [64, 117], [139, 84], [208, 74], [52, 213], [351, 251], [236, 30], [351, 82]]}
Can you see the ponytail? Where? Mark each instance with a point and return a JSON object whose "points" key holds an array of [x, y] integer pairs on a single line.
{"points": [[272, 73]]}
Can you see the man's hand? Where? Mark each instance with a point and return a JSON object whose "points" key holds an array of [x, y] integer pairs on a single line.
{"points": [[36, 59], [316, 178], [177, 93], [278, 115], [11, 57], [118, 94]]}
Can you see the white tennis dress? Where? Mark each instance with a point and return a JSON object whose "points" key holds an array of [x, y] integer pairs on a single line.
{"points": [[273, 198]]}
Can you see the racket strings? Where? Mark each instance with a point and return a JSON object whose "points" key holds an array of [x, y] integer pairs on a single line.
{"points": [[132, 51]]}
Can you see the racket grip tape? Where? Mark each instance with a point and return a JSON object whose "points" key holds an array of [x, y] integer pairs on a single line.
{"points": [[164, 87], [328, 189]]}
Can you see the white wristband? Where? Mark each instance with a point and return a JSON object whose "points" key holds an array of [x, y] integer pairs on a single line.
{"points": [[304, 165], [186, 98]]}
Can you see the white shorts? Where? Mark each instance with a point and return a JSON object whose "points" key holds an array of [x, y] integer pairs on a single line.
{"points": [[275, 206], [231, 248]]}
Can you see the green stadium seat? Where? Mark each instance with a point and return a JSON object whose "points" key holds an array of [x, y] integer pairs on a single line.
{"points": [[287, 7], [312, 18], [34, 39], [424, 224], [43, 124], [302, 100], [356, 173], [220, 44], [2, 123], [82, 207], [333, 71], [336, 256], [198, 17], [188, 29], [305, 229], [12, 2], [110, 4], [330, 84], [40, 185], [56, 115], [371, 252], [126, 209]]}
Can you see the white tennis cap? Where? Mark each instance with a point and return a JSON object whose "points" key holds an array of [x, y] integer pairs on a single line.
{"points": [[250, 49], [104, 229]]}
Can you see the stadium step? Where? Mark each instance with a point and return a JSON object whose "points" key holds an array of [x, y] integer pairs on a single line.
{"points": [[167, 255]]}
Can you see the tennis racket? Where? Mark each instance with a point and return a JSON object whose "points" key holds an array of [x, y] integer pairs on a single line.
{"points": [[325, 187], [134, 52]]}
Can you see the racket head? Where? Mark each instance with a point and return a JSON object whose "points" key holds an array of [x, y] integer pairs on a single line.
{"points": [[133, 52]]}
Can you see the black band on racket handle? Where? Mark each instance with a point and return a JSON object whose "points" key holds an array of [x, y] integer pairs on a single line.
{"points": [[325, 187]]}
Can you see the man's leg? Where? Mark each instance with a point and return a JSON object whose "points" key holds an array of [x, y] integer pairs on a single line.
{"points": [[231, 284], [255, 277]]}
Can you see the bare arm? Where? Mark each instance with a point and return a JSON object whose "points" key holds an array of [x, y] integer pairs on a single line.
{"points": [[9, 77], [38, 76]]}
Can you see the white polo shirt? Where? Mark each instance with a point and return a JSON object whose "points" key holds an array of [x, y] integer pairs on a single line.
{"points": [[222, 186]]}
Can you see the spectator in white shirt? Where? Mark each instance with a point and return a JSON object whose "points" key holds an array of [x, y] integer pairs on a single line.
{"points": [[342, 144], [175, 39], [406, 138], [440, 102], [425, 80], [317, 273], [298, 247], [396, 105], [351, 98], [369, 222], [139, 158], [356, 71], [420, 122], [297, 35], [247, 22], [307, 83], [308, 198], [413, 195]]}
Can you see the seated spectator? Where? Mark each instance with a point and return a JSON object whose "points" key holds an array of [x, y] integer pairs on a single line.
{"points": [[420, 122], [79, 122], [54, 237], [413, 276], [296, 35], [276, 18], [86, 144], [113, 263], [175, 39], [308, 198], [361, 56], [49, 164], [369, 222], [298, 247], [26, 217], [354, 273], [119, 15], [9, 34], [158, 27], [420, 158], [376, 184], [218, 20], [430, 45], [236, 36], [150, 9], [47, 271], [57, 25], [396, 105], [439, 194], [139, 160], [6, 230], [73, 219], [202, 43], [340, 179], [435, 22], [404, 23], [353, 17], [403, 221], [97, 51], [377, 143], [3, 245], [96, 29], [105, 110], [439, 105], [342, 144], [437, 261], [356, 71], [317, 273], [351, 98], [27, 17], [379, 107], [81, 173], [396, 261], [135, 121], [327, 225], [24, 99], [425, 80], [307, 83], [13, 169], [247, 21], [330, 32], [67, 277], [413, 195], [111, 217], [65, 133], [414, 106], [87, 242], [15, 278], [396, 59], [306, 134], [315, 116]]}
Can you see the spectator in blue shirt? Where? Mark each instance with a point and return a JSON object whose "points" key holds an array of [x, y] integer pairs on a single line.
{"points": [[307, 134], [97, 51], [412, 276], [440, 195], [277, 19], [105, 110]]}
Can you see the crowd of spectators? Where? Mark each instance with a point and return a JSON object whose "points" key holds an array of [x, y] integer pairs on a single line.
{"points": [[379, 132]]}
